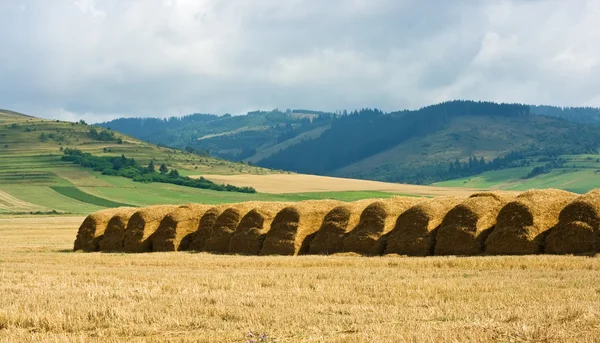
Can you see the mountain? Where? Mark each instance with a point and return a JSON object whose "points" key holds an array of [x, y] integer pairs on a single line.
{"points": [[440, 142]]}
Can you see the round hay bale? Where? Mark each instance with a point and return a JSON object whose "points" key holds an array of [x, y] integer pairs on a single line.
{"points": [[578, 228], [336, 224], [369, 237], [225, 225], [522, 224], [176, 229], [204, 226], [142, 225], [466, 226], [252, 230], [294, 227], [92, 229], [415, 231], [114, 236]]}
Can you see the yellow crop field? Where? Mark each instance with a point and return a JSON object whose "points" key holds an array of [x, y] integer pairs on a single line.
{"points": [[50, 294]]}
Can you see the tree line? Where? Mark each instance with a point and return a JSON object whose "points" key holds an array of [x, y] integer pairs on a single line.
{"points": [[131, 169]]}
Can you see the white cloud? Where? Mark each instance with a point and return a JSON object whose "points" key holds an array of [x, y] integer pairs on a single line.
{"points": [[104, 58]]}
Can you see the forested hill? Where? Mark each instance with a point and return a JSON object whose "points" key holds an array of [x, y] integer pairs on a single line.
{"points": [[438, 142]]}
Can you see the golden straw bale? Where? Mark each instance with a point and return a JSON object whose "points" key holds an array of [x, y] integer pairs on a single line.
{"points": [[208, 219], [578, 228], [176, 229], [142, 225], [225, 225], [92, 229], [114, 236], [369, 237], [250, 234], [466, 226], [294, 227], [336, 224], [415, 230], [522, 224]]}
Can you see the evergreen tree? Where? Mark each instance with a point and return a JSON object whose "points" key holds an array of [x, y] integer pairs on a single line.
{"points": [[151, 167], [174, 173], [163, 169]]}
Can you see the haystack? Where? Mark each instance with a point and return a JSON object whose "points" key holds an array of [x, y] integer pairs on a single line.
{"points": [[114, 236], [578, 228], [337, 223], [250, 234], [205, 224], [376, 221], [415, 230], [294, 227], [176, 229], [522, 224], [92, 229], [142, 225], [466, 227], [225, 225]]}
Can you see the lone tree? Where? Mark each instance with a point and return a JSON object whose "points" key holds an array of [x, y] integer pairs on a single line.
{"points": [[151, 166], [163, 169]]}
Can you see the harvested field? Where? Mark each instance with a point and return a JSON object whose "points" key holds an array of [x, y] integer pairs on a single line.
{"points": [[92, 229], [225, 225], [176, 230], [578, 228], [415, 230], [523, 223], [466, 227], [142, 225], [50, 294], [250, 234], [336, 225], [114, 235], [294, 227], [376, 221], [302, 183]]}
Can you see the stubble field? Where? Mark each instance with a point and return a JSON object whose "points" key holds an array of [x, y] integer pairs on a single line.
{"points": [[50, 294]]}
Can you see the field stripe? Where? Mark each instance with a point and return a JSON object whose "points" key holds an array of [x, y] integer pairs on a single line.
{"points": [[77, 194]]}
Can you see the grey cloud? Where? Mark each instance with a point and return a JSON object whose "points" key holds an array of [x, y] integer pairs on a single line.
{"points": [[98, 59]]}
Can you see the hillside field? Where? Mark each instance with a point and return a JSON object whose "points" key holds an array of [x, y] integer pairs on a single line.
{"points": [[51, 294], [33, 178]]}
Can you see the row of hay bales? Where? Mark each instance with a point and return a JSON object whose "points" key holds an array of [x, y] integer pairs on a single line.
{"points": [[537, 221]]}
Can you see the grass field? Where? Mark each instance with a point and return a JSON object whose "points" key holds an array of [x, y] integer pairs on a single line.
{"points": [[51, 294]]}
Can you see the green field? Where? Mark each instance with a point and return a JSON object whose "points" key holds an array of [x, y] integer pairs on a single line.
{"points": [[580, 174]]}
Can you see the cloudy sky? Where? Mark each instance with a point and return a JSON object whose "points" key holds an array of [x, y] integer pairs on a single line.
{"points": [[101, 59]]}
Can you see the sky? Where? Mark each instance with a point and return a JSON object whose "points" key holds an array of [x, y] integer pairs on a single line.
{"points": [[101, 59]]}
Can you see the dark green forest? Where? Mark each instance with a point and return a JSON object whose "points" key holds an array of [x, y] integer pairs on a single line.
{"points": [[348, 137]]}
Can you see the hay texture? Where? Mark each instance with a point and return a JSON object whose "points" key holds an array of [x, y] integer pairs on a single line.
{"points": [[336, 225], [415, 230], [92, 229], [205, 225], [294, 227], [142, 225], [522, 223], [369, 237], [466, 226], [252, 230], [176, 230], [578, 228], [225, 225], [114, 236]]}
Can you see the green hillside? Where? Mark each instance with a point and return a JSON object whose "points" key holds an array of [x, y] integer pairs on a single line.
{"points": [[34, 178], [455, 140]]}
